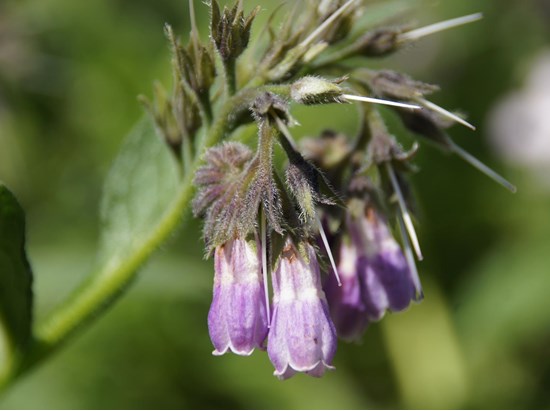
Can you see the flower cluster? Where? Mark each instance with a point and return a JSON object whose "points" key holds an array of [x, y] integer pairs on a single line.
{"points": [[341, 206]]}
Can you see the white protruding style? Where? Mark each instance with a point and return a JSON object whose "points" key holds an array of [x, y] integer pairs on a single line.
{"points": [[405, 212], [482, 167], [417, 34], [329, 252], [432, 106], [311, 38], [380, 101], [409, 254]]}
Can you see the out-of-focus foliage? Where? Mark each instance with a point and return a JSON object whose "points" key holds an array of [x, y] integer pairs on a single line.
{"points": [[69, 75], [15, 283]]}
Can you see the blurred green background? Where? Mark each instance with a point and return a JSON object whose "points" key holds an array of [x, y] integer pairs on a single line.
{"points": [[70, 72]]}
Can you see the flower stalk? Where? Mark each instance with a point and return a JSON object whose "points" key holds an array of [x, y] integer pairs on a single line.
{"points": [[338, 192]]}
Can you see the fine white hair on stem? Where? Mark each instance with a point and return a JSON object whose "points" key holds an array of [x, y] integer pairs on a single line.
{"points": [[286, 132], [438, 27], [380, 101], [263, 240], [409, 255], [446, 113], [329, 251], [405, 212], [311, 38], [482, 167]]}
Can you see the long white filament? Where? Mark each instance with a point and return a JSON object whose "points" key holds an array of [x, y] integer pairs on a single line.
{"points": [[311, 38], [263, 233], [483, 168], [438, 27], [432, 106], [380, 101], [409, 255], [329, 252], [405, 212]]}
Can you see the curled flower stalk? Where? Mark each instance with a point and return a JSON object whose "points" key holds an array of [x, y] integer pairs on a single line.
{"points": [[262, 217], [348, 195]]}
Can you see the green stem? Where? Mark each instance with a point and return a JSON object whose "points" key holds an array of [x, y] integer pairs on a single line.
{"points": [[231, 77], [104, 286]]}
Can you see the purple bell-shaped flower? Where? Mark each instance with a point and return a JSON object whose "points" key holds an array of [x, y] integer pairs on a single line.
{"points": [[302, 337], [237, 320], [346, 302], [388, 281]]}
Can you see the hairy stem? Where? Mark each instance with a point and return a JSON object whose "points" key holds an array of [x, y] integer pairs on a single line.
{"points": [[107, 284]]}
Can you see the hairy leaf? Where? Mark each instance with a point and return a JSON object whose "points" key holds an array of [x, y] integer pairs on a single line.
{"points": [[141, 185]]}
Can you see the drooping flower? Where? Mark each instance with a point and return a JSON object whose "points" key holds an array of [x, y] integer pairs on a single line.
{"points": [[237, 320], [375, 274], [387, 280], [346, 302], [302, 337]]}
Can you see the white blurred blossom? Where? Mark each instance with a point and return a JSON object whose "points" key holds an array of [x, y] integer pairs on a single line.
{"points": [[520, 123]]}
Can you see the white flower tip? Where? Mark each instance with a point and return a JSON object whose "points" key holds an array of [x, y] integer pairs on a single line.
{"points": [[231, 349], [316, 370]]}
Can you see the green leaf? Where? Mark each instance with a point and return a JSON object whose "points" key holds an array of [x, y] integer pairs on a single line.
{"points": [[141, 184], [15, 283], [143, 202]]}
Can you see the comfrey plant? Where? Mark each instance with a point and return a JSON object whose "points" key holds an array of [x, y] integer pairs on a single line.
{"points": [[330, 227], [343, 194]]}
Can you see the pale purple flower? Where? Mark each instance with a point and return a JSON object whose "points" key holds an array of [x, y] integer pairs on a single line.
{"points": [[347, 308], [237, 320], [388, 281], [302, 337], [375, 275]]}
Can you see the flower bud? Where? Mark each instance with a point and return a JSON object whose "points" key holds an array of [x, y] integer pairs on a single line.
{"points": [[237, 320], [391, 84], [222, 194], [302, 337], [379, 43], [230, 30], [311, 90]]}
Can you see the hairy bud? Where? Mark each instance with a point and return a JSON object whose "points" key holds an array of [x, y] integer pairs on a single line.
{"points": [[231, 30], [223, 183], [391, 84], [378, 43], [312, 90], [269, 105]]}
